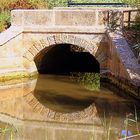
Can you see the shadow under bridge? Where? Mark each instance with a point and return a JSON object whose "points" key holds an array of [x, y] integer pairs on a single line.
{"points": [[64, 59]]}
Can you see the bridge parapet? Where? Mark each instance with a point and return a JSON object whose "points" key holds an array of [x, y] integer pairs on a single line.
{"points": [[59, 18], [101, 18]]}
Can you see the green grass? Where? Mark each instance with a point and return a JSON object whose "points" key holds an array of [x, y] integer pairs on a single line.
{"points": [[7, 131], [90, 81], [4, 20]]}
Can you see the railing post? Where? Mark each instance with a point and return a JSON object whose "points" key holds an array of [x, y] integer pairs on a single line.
{"points": [[129, 18], [69, 2], [122, 19], [108, 18]]}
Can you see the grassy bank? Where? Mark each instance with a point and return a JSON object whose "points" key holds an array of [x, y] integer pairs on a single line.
{"points": [[7, 6]]}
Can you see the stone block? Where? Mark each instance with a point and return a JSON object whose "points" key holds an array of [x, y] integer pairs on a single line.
{"points": [[17, 17], [38, 18], [102, 17], [77, 134], [75, 18]]}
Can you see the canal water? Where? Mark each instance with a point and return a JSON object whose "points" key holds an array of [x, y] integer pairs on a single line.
{"points": [[54, 107]]}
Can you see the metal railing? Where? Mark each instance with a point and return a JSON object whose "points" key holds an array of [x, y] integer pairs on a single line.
{"points": [[70, 3], [122, 18], [129, 17]]}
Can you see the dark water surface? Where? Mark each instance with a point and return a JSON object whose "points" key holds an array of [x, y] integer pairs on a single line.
{"points": [[60, 108]]}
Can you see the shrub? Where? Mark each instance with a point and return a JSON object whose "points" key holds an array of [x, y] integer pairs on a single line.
{"points": [[22, 4], [7, 5], [4, 20]]}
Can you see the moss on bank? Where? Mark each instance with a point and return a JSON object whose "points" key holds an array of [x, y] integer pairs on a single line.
{"points": [[17, 76]]}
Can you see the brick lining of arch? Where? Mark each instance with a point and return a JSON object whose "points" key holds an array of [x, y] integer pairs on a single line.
{"points": [[50, 40]]}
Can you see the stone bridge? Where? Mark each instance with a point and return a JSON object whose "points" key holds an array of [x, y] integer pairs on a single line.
{"points": [[35, 32]]}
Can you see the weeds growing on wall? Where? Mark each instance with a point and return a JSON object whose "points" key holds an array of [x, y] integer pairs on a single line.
{"points": [[90, 81]]}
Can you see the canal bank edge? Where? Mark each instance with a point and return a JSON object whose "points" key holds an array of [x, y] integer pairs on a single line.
{"points": [[17, 77], [130, 85]]}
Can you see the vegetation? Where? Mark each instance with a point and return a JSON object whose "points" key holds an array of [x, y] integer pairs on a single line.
{"points": [[132, 35], [7, 131], [128, 130], [53, 3], [7, 6], [4, 20], [90, 81], [56, 3], [136, 49]]}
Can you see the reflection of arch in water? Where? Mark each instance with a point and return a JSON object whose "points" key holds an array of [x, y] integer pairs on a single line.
{"points": [[16, 88], [87, 115], [35, 100], [41, 130], [62, 94]]}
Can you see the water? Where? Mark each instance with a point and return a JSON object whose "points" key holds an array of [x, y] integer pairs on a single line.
{"points": [[60, 108]]}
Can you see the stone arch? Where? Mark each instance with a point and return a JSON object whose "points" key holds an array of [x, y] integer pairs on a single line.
{"points": [[37, 46]]}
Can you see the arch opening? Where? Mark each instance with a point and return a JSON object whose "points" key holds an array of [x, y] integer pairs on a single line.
{"points": [[73, 64], [64, 59]]}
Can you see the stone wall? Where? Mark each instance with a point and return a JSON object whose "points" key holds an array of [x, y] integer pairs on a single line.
{"points": [[123, 65]]}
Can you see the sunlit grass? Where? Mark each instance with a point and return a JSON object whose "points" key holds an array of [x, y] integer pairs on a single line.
{"points": [[128, 130], [4, 20], [7, 132]]}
